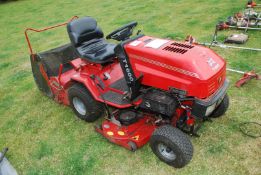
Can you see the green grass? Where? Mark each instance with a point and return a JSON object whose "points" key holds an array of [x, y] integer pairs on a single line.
{"points": [[46, 138]]}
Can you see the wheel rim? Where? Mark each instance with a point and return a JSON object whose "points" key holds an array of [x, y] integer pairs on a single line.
{"points": [[166, 151], [79, 105]]}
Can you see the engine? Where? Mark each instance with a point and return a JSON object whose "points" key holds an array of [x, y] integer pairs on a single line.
{"points": [[159, 102]]}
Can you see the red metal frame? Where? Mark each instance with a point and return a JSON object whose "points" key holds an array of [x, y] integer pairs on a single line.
{"points": [[43, 29]]}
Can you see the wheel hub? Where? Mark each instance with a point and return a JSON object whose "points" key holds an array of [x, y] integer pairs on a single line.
{"points": [[166, 151], [79, 105]]}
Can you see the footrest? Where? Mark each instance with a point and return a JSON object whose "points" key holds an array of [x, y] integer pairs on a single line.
{"points": [[115, 97], [120, 84]]}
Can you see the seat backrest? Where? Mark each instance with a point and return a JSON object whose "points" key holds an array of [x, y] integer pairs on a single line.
{"points": [[82, 30]]}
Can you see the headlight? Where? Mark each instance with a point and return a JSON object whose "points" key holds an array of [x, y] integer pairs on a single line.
{"points": [[210, 109]]}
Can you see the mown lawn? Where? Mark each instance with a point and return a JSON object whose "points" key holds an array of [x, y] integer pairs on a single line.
{"points": [[46, 138]]}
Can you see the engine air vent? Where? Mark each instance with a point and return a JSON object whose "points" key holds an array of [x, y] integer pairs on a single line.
{"points": [[178, 47], [182, 45], [175, 49]]}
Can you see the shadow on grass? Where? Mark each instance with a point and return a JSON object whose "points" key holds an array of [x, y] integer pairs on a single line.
{"points": [[7, 1]]}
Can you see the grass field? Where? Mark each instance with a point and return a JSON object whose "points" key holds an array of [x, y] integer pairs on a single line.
{"points": [[46, 138]]}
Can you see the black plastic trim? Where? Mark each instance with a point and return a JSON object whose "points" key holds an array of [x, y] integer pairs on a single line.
{"points": [[200, 105], [132, 81]]}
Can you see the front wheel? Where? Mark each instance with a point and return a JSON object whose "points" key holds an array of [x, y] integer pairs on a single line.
{"points": [[171, 146], [222, 108]]}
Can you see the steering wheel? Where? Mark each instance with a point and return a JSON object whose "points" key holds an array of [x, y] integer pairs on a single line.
{"points": [[123, 32]]}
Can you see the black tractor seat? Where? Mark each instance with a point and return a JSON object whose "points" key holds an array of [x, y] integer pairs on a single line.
{"points": [[87, 39], [97, 50]]}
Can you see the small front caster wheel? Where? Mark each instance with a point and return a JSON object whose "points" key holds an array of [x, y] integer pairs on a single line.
{"points": [[133, 146]]}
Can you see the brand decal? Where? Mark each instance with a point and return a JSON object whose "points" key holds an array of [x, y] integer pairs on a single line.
{"points": [[147, 104], [128, 70], [212, 63], [121, 133], [110, 133], [135, 43], [136, 137]]}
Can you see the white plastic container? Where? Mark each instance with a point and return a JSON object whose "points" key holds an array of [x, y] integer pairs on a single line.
{"points": [[6, 168]]}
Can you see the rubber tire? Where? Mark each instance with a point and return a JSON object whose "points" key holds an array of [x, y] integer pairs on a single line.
{"points": [[175, 139], [94, 109], [222, 108]]}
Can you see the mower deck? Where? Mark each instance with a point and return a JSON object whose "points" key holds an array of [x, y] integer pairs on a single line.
{"points": [[131, 137]]}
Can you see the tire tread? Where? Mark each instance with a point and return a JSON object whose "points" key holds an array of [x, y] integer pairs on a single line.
{"points": [[222, 108], [179, 138]]}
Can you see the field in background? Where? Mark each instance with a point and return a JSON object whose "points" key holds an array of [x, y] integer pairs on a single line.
{"points": [[46, 138]]}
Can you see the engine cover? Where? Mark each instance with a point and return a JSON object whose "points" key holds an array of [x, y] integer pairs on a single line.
{"points": [[159, 102], [191, 69]]}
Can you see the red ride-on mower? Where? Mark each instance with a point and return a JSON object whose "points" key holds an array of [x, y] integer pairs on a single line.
{"points": [[150, 89]]}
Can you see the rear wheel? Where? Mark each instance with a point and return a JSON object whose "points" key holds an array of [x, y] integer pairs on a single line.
{"points": [[83, 104], [222, 108], [171, 146]]}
